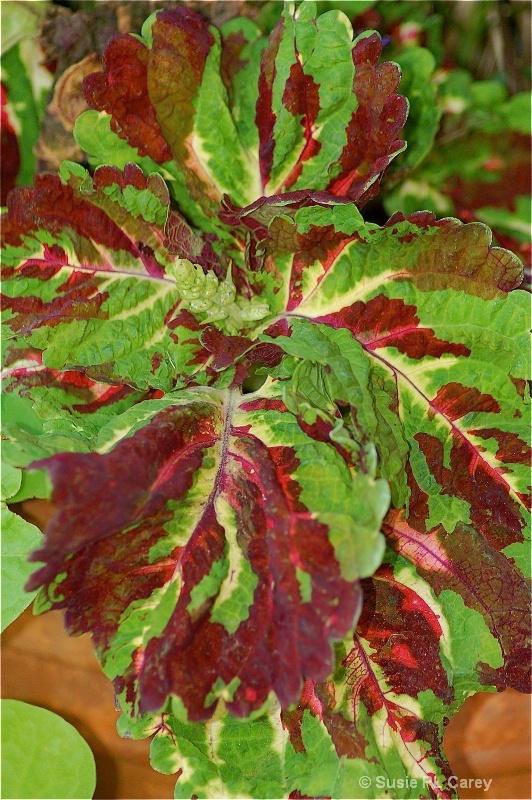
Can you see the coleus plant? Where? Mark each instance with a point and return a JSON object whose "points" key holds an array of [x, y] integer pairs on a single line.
{"points": [[286, 444]]}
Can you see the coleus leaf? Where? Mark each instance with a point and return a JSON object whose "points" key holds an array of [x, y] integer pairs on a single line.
{"points": [[433, 629], [232, 553], [477, 589], [428, 339], [48, 410], [324, 135], [99, 258], [267, 755], [226, 535], [308, 109]]}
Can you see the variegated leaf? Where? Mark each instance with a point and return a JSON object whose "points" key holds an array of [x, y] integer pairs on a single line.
{"points": [[59, 410], [309, 109], [426, 303], [270, 754], [230, 542], [88, 277]]}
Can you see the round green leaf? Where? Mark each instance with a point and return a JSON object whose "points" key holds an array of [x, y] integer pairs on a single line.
{"points": [[10, 481], [43, 756], [19, 538]]}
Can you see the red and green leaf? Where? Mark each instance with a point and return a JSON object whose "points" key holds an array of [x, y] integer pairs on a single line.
{"points": [[447, 616], [99, 296], [221, 545], [309, 109], [313, 134], [431, 314]]}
